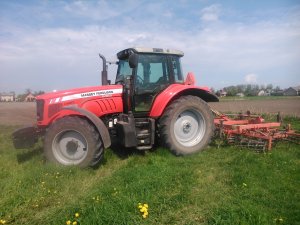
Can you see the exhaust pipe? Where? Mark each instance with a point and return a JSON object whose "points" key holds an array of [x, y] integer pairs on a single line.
{"points": [[104, 71]]}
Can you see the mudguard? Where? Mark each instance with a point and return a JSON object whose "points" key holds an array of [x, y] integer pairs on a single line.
{"points": [[175, 91], [103, 131]]}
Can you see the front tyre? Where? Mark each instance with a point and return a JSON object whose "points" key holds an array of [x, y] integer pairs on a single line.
{"points": [[73, 141], [187, 125]]}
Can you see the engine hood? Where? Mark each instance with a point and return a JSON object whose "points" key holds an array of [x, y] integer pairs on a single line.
{"points": [[81, 93]]}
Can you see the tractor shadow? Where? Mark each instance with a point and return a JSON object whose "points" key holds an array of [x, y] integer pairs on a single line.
{"points": [[29, 154], [124, 153]]}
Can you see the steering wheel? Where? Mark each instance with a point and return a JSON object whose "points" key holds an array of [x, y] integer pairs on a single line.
{"points": [[139, 79]]}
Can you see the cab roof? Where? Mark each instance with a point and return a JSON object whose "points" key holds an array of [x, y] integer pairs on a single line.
{"points": [[128, 51]]}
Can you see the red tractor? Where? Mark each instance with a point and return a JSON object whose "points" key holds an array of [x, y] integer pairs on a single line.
{"points": [[149, 102]]}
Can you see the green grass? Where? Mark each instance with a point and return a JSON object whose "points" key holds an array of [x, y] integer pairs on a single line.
{"points": [[218, 186]]}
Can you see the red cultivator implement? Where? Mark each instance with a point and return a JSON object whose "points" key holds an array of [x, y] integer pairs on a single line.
{"points": [[251, 131]]}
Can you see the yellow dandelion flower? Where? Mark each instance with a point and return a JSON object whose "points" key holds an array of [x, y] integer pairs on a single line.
{"points": [[3, 221], [144, 216], [74, 223], [76, 215], [143, 209], [68, 222], [146, 213], [146, 205]]}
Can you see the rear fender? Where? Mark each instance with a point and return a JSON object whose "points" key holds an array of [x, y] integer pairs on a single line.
{"points": [[102, 129], [175, 91]]}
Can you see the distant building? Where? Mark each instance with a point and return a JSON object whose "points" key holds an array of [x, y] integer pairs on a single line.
{"points": [[223, 93], [241, 95], [263, 93], [292, 91], [30, 98], [277, 93], [7, 97]]}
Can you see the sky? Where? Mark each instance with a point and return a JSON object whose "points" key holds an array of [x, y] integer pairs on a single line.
{"points": [[54, 45]]}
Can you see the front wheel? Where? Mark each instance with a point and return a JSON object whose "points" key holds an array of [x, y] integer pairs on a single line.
{"points": [[73, 141], [186, 126]]}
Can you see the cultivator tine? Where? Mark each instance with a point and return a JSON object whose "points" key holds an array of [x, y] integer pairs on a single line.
{"points": [[256, 145], [231, 140], [294, 138]]}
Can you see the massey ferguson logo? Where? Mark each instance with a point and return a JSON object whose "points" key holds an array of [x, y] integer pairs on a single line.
{"points": [[86, 95], [90, 94]]}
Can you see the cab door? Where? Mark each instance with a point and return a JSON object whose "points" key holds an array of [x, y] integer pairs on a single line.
{"points": [[152, 76]]}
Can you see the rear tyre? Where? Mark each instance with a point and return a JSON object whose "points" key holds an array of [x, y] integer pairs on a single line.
{"points": [[186, 126], [73, 141]]}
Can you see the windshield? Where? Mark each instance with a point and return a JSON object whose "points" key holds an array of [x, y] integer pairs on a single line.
{"points": [[123, 70]]}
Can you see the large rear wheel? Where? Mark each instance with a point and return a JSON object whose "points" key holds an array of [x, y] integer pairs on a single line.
{"points": [[73, 141], [187, 125]]}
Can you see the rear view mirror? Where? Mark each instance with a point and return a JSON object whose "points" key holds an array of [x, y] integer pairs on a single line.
{"points": [[133, 60]]}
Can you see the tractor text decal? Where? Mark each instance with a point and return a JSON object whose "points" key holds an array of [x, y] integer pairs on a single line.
{"points": [[86, 95]]}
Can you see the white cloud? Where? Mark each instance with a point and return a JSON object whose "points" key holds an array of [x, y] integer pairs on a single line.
{"points": [[251, 78], [66, 57], [99, 10], [211, 13]]}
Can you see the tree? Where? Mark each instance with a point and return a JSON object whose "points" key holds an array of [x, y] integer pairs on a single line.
{"points": [[269, 87], [36, 93], [262, 87], [231, 90], [28, 91]]}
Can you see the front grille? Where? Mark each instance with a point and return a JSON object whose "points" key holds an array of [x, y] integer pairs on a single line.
{"points": [[40, 109], [53, 109]]}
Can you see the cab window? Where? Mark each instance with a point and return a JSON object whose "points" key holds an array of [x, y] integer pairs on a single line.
{"points": [[175, 62], [123, 70]]}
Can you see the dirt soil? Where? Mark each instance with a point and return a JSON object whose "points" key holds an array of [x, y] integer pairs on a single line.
{"points": [[23, 113], [289, 107], [17, 113]]}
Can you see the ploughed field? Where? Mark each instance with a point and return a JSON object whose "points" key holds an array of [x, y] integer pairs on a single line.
{"points": [[22, 113]]}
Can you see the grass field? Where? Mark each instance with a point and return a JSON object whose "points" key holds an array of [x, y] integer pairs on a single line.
{"points": [[218, 186]]}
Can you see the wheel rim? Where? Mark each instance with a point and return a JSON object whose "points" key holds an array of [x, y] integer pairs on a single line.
{"points": [[69, 147], [189, 128]]}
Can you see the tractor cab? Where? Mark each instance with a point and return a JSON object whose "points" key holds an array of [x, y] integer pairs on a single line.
{"points": [[146, 72]]}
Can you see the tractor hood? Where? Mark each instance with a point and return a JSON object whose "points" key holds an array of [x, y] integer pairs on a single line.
{"points": [[81, 94]]}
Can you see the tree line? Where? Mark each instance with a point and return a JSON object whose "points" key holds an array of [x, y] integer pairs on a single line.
{"points": [[248, 89]]}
